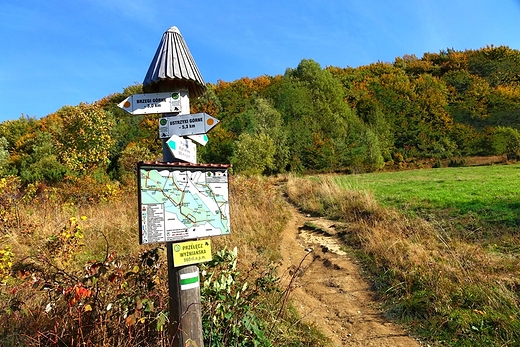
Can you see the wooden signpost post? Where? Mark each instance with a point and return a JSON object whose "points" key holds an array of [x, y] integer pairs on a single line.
{"points": [[171, 79]]}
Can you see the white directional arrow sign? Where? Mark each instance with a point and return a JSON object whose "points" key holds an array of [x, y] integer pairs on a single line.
{"points": [[183, 149], [153, 103], [200, 139], [186, 124]]}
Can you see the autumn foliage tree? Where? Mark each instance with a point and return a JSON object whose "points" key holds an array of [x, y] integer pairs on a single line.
{"points": [[84, 140]]}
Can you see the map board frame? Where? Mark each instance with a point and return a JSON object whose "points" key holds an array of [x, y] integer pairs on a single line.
{"points": [[182, 201]]}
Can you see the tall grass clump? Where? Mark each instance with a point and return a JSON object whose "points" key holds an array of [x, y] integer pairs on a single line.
{"points": [[321, 195], [450, 290], [72, 272], [259, 215]]}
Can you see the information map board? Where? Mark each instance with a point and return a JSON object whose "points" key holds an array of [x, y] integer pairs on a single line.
{"points": [[182, 201]]}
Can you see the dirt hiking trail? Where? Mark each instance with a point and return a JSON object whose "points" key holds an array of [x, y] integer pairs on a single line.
{"points": [[328, 290]]}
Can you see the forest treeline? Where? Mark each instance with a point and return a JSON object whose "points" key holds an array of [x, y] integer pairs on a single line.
{"points": [[446, 105]]}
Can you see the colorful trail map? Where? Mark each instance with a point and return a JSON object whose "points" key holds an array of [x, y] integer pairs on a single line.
{"points": [[185, 202]]}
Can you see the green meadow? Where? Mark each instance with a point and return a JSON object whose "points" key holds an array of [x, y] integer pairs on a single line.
{"points": [[489, 194]]}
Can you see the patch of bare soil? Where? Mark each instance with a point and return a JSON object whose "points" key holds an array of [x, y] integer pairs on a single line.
{"points": [[328, 289]]}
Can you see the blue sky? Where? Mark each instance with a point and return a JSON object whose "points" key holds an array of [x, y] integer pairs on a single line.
{"points": [[57, 53]]}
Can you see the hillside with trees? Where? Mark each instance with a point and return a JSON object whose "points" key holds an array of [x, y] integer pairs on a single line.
{"points": [[442, 106], [446, 105]]}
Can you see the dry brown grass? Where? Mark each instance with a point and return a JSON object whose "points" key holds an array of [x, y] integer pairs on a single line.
{"points": [[321, 195], [109, 226], [52, 241], [258, 216]]}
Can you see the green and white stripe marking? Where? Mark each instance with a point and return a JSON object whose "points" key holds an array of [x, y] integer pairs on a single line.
{"points": [[190, 280]]}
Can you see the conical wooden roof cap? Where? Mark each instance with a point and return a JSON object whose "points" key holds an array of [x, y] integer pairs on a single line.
{"points": [[173, 67]]}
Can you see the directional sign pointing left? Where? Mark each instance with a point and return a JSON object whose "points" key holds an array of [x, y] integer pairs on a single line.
{"points": [[153, 103], [183, 149]]}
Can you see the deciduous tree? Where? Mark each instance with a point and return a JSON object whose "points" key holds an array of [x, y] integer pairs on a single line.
{"points": [[85, 140]]}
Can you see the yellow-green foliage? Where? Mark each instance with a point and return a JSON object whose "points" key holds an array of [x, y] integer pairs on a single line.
{"points": [[253, 154], [130, 156], [66, 242], [84, 140], [6, 262]]}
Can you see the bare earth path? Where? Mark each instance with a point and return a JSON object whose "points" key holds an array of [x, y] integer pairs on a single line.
{"points": [[328, 289]]}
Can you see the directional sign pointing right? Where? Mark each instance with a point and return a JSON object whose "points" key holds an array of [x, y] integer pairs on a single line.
{"points": [[200, 139], [186, 124]]}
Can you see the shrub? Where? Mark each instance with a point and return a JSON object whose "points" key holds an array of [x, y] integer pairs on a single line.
{"points": [[130, 156], [457, 163], [506, 140], [231, 306], [114, 302]]}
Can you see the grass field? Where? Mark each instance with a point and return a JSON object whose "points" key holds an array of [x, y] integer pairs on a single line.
{"points": [[488, 193]]}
